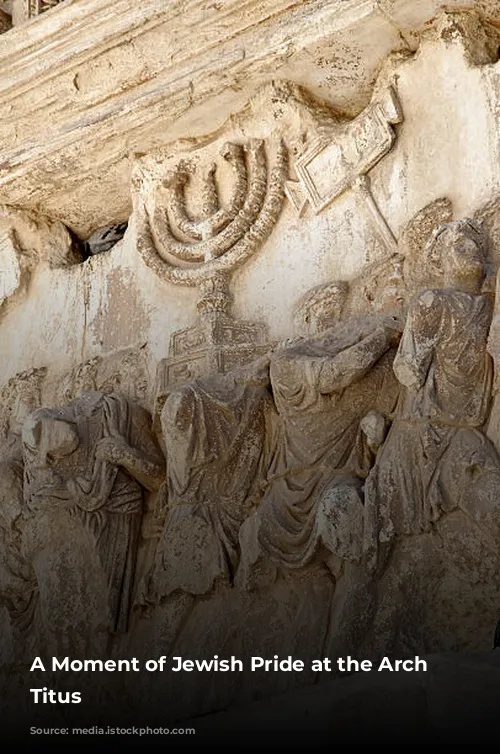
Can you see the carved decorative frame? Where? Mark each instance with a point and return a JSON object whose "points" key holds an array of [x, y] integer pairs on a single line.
{"points": [[339, 162]]}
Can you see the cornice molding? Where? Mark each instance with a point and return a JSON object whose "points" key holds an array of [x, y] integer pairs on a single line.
{"points": [[86, 85]]}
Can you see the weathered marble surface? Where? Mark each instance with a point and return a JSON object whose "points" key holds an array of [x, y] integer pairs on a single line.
{"points": [[257, 412]]}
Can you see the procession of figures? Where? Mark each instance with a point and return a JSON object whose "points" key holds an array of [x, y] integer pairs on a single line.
{"points": [[332, 493], [332, 496]]}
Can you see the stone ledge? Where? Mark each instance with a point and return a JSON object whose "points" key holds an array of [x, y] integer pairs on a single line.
{"points": [[92, 82]]}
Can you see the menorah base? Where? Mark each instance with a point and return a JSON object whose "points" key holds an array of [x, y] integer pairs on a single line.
{"points": [[215, 344]]}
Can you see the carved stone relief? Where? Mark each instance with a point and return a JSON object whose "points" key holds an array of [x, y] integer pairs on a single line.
{"points": [[281, 474], [221, 238], [341, 159], [125, 371], [332, 492], [21, 395], [27, 240], [203, 245], [86, 468], [216, 344]]}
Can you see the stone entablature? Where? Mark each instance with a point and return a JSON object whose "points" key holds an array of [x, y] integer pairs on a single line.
{"points": [[79, 56]]}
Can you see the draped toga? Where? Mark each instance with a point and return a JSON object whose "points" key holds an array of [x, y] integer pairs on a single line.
{"points": [[447, 373], [217, 435], [104, 496], [320, 438]]}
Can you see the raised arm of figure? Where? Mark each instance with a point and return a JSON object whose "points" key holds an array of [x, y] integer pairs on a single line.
{"points": [[149, 471], [353, 363], [253, 374]]}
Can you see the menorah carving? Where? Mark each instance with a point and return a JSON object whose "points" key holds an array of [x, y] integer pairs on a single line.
{"points": [[214, 218], [187, 251], [203, 249]]}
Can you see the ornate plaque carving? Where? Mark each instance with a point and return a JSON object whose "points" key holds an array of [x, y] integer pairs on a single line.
{"points": [[332, 164]]}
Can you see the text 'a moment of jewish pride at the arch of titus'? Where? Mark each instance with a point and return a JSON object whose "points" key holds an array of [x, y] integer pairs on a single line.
{"points": [[347, 664]]}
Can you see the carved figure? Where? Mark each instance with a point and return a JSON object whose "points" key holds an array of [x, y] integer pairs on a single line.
{"points": [[321, 307], [324, 387], [217, 432], [87, 464], [446, 374], [18, 587]]}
